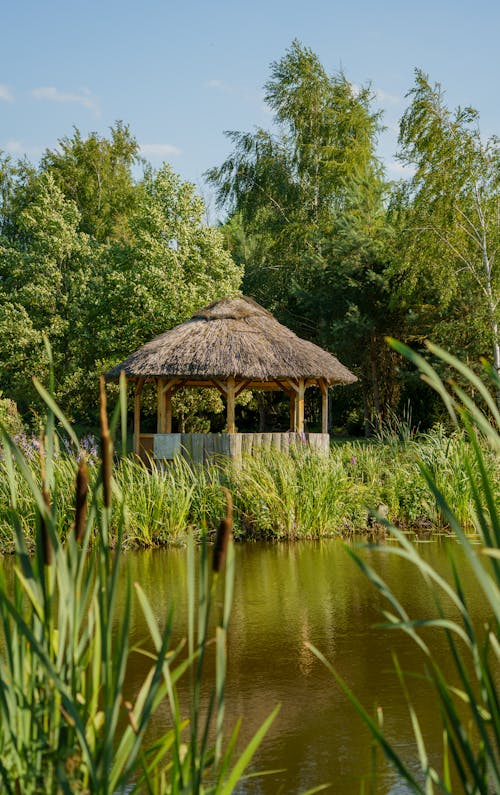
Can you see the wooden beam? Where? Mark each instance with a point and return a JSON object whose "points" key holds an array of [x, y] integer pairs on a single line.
{"points": [[230, 398], [300, 407], [287, 386], [167, 385], [137, 415], [241, 387], [196, 382], [284, 387], [219, 385], [269, 386], [324, 405]]}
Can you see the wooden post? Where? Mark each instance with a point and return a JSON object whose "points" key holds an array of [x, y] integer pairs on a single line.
{"points": [[230, 397], [160, 414], [300, 407], [164, 406], [137, 416], [324, 405], [168, 411], [293, 411]]}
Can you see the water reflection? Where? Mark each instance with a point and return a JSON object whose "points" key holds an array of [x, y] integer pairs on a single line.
{"points": [[285, 595]]}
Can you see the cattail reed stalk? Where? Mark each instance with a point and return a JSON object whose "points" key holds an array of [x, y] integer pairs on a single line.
{"points": [[106, 462], [223, 535], [81, 492], [47, 550]]}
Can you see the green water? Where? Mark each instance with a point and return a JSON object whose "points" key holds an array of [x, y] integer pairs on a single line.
{"points": [[285, 595]]}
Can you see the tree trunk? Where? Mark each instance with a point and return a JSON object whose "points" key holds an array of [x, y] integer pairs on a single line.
{"points": [[496, 352], [366, 415]]}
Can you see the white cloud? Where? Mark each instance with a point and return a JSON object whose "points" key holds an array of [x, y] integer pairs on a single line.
{"points": [[389, 99], [5, 93], [214, 84], [159, 150], [52, 94], [15, 147]]}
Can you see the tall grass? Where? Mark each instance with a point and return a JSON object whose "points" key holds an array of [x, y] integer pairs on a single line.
{"points": [[469, 706], [69, 721], [276, 495]]}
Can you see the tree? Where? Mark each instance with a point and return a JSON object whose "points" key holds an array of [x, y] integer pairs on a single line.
{"points": [[450, 223], [44, 264], [96, 173], [102, 277], [171, 265], [289, 187], [307, 215]]}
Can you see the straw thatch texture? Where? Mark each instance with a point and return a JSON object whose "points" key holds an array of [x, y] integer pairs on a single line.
{"points": [[233, 337]]}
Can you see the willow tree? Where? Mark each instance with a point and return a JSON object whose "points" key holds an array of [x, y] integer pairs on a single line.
{"points": [[306, 212], [451, 228], [290, 185]]}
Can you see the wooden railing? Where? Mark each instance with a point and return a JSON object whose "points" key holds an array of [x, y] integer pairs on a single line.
{"points": [[201, 447]]}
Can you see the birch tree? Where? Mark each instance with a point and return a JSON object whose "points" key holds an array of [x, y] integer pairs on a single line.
{"points": [[452, 217]]}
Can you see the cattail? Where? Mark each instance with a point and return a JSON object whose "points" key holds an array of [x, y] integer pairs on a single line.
{"points": [[81, 491], [46, 540], [223, 535], [105, 446]]}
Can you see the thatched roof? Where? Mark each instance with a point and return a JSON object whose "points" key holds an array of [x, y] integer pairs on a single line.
{"points": [[232, 337]]}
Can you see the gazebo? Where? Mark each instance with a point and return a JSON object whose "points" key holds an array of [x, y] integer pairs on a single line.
{"points": [[232, 345]]}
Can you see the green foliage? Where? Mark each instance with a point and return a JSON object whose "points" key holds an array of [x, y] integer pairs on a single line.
{"points": [[9, 416], [467, 705], [102, 257], [42, 273], [450, 230], [95, 173], [276, 494], [173, 264], [308, 219], [100, 262]]}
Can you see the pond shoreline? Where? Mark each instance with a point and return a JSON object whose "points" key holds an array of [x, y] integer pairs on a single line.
{"points": [[276, 496]]}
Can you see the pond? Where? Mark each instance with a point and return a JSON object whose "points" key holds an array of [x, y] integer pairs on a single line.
{"points": [[285, 595]]}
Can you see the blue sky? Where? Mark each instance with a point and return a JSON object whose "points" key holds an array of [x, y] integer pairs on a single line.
{"points": [[180, 73]]}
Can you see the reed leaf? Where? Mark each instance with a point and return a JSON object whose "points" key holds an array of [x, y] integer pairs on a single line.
{"points": [[471, 743], [64, 723]]}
